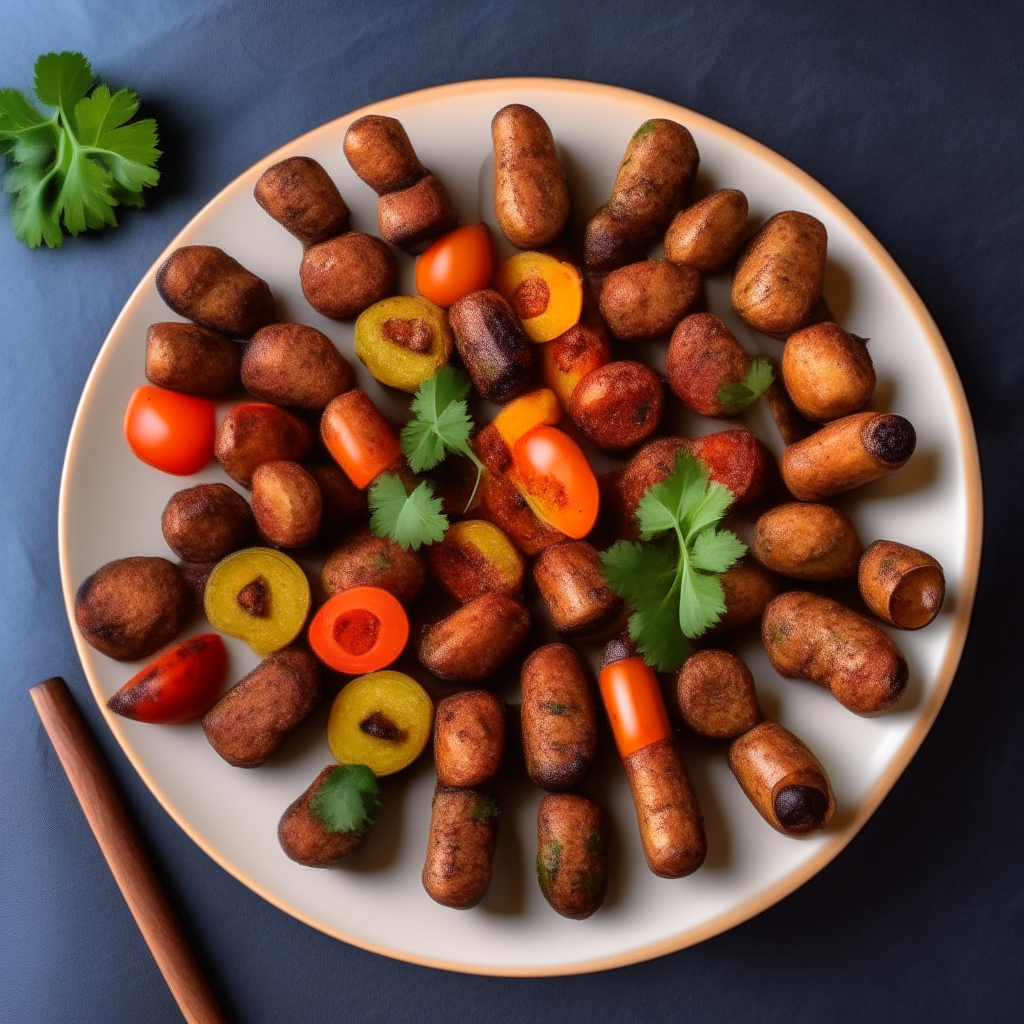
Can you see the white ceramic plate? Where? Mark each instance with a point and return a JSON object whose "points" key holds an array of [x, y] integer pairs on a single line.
{"points": [[110, 506]]}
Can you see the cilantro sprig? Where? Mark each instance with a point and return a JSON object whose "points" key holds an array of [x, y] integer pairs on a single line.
{"points": [[410, 520], [672, 579], [347, 799], [68, 171], [440, 424], [739, 395]]}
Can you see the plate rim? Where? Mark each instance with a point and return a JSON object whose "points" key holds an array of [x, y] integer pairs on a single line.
{"points": [[765, 898]]}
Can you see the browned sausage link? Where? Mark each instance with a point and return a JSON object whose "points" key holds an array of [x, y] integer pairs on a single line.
{"points": [[747, 587], [469, 738], [807, 541], [569, 578], [380, 152], [211, 288], [559, 717], [847, 453], [413, 217], [493, 345], [671, 825], [460, 847], [251, 722], [808, 636], [307, 840], [572, 854], [300, 195], [190, 358], [706, 235], [901, 585], [716, 696], [783, 779]]}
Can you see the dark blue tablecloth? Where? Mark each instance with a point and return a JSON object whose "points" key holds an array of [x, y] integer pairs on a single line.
{"points": [[911, 114]]}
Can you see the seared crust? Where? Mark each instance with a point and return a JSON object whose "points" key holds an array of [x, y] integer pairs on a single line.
{"points": [[568, 575], [469, 738], [251, 722], [716, 696], [475, 640], [671, 824], [783, 779], [559, 717], [193, 359], [206, 522], [301, 196], [307, 840], [460, 847], [708, 234], [363, 560], [807, 542], [130, 607], [344, 275], [211, 288], [572, 854], [647, 299], [618, 405], [255, 432], [808, 636]]}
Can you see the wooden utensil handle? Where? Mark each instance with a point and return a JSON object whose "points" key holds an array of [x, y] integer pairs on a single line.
{"points": [[108, 818]]}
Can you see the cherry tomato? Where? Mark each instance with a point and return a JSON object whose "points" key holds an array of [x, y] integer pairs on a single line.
{"points": [[635, 706], [455, 265], [557, 480], [169, 430], [179, 685]]}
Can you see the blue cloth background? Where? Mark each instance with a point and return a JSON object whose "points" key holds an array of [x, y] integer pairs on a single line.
{"points": [[911, 114]]}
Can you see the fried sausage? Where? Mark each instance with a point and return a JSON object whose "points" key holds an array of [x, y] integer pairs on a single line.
{"points": [[716, 696], [569, 578], [469, 738], [847, 453], [807, 541], [301, 196], [827, 371], [193, 359], [559, 717], [783, 779], [808, 636], [901, 585], [531, 193], [251, 722], [460, 847], [707, 235], [572, 854], [305, 837]]}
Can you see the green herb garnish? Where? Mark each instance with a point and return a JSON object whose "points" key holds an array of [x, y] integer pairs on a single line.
{"points": [[410, 520], [440, 424], [739, 395], [672, 580], [348, 799], [73, 167]]}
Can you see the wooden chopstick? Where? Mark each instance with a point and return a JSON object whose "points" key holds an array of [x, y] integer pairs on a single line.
{"points": [[108, 818]]}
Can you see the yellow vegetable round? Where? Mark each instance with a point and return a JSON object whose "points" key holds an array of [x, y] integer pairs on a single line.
{"points": [[382, 720], [546, 293], [260, 596], [403, 340]]}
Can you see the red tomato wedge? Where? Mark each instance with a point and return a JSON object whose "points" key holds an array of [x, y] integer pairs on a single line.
{"points": [[557, 480], [359, 630], [169, 430], [181, 684], [455, 265]]}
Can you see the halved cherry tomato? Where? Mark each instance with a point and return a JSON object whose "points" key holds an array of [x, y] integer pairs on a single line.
{"points": [[179, 685], [635, 706], [359, 630], [455, 265], [556, 480], [169, 430], [358, 437]]}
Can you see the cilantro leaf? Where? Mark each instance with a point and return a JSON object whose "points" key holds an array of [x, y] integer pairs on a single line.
{"points": [[69, 171], [410, 520], [347, 799], [739, 395], [440, 423], [671, 581]]}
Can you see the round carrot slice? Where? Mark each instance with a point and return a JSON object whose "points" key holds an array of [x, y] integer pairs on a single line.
{"points": [[359, 630]]}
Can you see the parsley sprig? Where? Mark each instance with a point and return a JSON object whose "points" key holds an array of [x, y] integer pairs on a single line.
{"points": [[76, 165], [347, 799], [739, 395], [672, 579], [440, 424]]}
